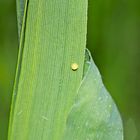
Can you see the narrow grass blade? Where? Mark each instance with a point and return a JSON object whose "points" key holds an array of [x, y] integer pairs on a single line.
{"points": [[21, 4], [20, 53]]}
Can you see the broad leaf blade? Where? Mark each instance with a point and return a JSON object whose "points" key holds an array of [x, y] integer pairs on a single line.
{"points": [[94, 116], [45, 87]]}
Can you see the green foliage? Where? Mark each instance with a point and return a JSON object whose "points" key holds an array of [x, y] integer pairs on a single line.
{"points": [[114, 42], [21, 6], [113, 38], [46, 103], [94, 115]]}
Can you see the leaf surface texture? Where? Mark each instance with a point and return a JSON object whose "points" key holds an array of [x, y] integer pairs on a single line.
{"points": [[50, 100]]}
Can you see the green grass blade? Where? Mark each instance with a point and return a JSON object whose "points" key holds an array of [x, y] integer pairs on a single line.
{"points": [[21, 4], [55, 37], [20, 52]]}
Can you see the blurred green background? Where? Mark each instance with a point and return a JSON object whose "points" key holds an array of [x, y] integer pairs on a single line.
{"points": [[8, 57], [113, 39]]}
